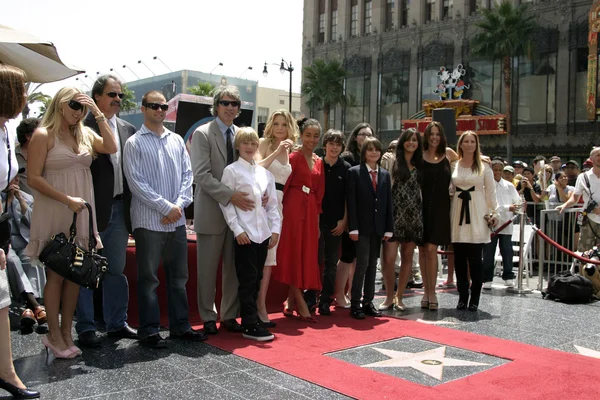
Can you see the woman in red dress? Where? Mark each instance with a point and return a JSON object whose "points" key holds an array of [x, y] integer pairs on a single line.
{"points": [[297, 254]]}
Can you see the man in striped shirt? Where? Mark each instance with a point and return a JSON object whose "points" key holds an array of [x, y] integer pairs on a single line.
{"points": [[158, 170]]}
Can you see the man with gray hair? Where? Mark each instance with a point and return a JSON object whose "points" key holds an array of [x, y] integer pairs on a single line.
{"points": [[211, 151], [113, 199]]}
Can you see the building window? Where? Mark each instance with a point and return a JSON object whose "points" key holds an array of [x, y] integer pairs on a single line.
{"points": [[537, 89], [334, 17], [448, 4], [358, 90], [282, 102], [354, 18], [474, 6], [430, 10], [389, 15], [263, 115], [579, 67], [368, 9], [393, 100], [404, 10], [321, 21]]}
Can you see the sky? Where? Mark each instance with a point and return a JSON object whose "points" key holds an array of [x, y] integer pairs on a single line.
{"points": [[184, 34]]}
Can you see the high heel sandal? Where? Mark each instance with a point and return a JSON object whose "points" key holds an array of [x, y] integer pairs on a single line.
{"points": [[57, 353], [75, 350], [399, 305], [19, 393], [425, 303], [433, 305]]}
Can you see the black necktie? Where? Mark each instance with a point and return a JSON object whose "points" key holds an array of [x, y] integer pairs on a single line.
{"points": [[229, 146]]}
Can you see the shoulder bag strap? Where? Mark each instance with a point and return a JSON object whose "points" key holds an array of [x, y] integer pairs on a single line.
{"points": [[73, 229], [9, 167]]}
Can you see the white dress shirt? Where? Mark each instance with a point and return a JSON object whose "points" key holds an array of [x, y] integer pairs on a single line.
{"points": [[260, 222], [386, 234], [506, 195], [116, 158]]}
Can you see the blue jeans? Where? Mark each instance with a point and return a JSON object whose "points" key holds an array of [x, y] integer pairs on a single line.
{"points": [[489, 253], [150, 248], [115, 289]]}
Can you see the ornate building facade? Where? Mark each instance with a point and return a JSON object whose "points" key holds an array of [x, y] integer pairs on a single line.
{"points": [[393, 49]]}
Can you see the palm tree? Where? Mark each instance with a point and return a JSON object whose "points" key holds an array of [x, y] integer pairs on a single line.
{"points": [[506, 32], [33, 96], [128, 103], [202, 89], [323, 86]]}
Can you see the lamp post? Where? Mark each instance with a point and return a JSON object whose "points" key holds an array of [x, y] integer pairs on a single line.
{"points": [[163, 63], [148, 68], [118, 74], [217, 66], [246, 70], [136, 75], [283, 67]]}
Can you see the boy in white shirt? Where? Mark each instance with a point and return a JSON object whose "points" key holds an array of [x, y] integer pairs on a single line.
{"points": [[255, 230]]}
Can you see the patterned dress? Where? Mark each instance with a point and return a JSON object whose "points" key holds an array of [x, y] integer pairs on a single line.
{"points": [[408, 210]]}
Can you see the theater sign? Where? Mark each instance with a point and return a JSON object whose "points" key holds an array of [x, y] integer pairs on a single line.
{"points": [[469, 114]]}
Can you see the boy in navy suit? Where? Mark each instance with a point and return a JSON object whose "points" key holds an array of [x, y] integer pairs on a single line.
{"points": [[369, 201]]}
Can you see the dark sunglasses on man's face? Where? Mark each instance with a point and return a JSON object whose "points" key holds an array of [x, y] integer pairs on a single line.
{"points": [[115, 94], [226, 103], [156, 106], [75, 105]]}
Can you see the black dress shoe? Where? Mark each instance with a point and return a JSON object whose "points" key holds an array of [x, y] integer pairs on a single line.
{"points": [[18, 393], [357, 313], [324, 309], [89, 339], [126, 332], [232, 326], [210, 328], [370, 310], [461, 305], [473, 307], [154, 342], [191, 336]]}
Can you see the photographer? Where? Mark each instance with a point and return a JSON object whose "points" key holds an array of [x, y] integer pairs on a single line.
{"points": [[588, 185], [532, 193]]}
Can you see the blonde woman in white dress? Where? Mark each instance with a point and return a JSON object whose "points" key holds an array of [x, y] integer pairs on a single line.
{"points": [[281, 132], [473, 211]]}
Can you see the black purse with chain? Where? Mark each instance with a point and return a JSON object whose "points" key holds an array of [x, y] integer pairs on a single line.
{"points": [[83, 267]]}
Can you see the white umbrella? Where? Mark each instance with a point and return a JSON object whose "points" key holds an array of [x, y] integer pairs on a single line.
{"points": [[38, 58]]}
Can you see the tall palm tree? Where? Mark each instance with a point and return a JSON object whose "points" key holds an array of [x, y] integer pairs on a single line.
{"points": [[506, 32], [323, 86], [201, 89], [33, 96]]}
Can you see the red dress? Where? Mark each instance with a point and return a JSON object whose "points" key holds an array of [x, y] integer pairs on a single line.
{"points": [[297, 254]]}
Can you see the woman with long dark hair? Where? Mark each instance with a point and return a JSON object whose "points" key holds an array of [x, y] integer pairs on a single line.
{"points": [[347, 263], [12, 100], [407, 215], [436, 178]]}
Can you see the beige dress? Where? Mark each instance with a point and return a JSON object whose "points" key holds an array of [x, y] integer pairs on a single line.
{"points": [[281, 172], [68, 173]]}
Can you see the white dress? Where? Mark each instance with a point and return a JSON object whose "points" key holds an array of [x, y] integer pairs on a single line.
{"points": [[281, 172], [482, 191]]}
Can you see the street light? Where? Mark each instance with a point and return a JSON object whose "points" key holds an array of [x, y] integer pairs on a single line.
{"points": [[246, 70], [163, 63], [217, 66], [125, 66], [118, 74], [283, 67], [83, 83], [144, 64]]}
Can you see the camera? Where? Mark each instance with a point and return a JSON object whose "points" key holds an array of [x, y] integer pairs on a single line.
{"points": [[583, 217]]}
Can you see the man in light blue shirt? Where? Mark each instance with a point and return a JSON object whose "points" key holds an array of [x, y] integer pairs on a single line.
{"points": [[158, 170]]}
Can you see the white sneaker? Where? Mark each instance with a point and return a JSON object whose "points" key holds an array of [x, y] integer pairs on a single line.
{"points": [[487, 285], [509, 283]]}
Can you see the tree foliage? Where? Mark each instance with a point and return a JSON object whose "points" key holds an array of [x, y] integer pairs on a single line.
{"points": [[201, 89], [128, 103], [323, 86]]}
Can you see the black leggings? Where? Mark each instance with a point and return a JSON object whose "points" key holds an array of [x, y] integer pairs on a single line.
{"points": [[471, 253]]}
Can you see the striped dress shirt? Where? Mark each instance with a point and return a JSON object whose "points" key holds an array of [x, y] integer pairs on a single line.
{"points": [[159, 174]]}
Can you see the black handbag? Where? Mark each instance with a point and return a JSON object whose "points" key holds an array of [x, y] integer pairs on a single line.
{"points": [[83, 267], [5, 232]]}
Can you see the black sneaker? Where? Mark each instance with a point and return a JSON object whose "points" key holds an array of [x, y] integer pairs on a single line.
{"points": [[258, 333], [324, 309]]}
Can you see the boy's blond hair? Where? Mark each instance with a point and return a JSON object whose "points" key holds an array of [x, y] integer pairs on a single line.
{"points": [[246, 134]]}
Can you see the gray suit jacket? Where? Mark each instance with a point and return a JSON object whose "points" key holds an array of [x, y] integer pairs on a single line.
{"points": [[209, 159], [20, 220]]}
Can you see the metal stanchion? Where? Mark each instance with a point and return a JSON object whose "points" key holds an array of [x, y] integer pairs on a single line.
{"points": [[520, 289]]}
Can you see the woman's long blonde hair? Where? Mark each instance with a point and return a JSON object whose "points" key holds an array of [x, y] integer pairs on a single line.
{"points": [[477, 166], [53, 118], [292, 127]]}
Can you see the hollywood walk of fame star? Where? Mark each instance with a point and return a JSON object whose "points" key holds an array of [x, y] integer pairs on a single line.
{"points": [[584, 351], [430, 362]]}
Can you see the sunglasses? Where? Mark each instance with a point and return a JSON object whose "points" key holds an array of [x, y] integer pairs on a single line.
{"points": [[156, 106], [115, 94], [75, 105], [226, 103]]}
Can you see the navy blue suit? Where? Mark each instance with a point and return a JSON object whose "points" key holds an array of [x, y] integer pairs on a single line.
{"points": [[369, 213]]}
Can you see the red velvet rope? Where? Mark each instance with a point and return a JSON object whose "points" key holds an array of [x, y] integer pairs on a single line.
{"points": [[564, 249]]}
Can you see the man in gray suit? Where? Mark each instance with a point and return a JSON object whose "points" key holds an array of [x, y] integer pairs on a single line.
{"points": [[211, 151]]}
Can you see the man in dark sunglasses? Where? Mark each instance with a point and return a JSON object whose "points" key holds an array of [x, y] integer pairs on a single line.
{"points": [[211, 151], [113, 197]]}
